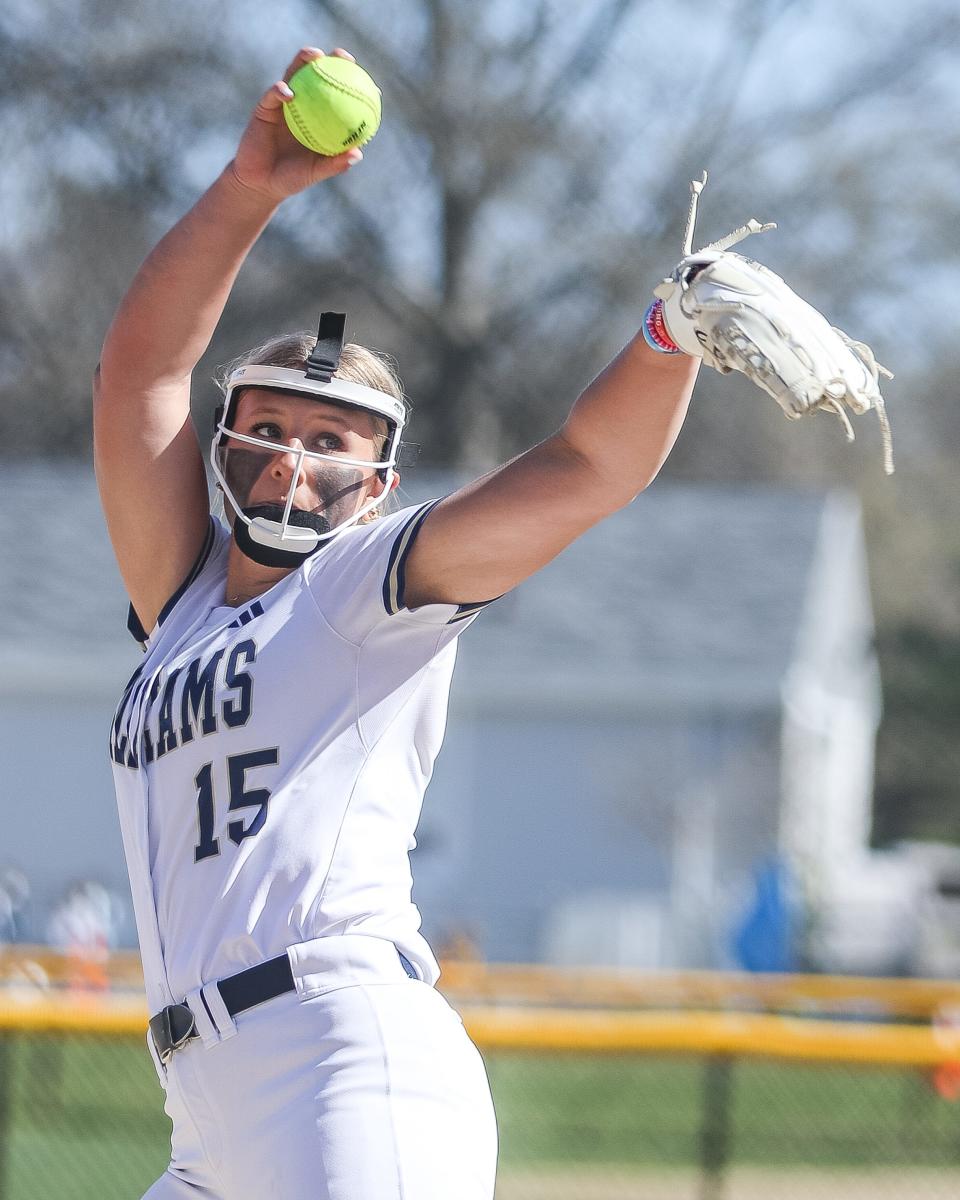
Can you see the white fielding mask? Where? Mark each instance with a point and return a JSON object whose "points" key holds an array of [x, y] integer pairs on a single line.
{"points": [[281, 535]]}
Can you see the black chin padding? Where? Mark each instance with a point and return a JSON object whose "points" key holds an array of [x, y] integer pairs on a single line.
{"points": [[270, 556]]}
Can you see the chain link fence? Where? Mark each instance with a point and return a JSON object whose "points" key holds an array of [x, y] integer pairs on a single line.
{"points": [[667, 1128], [81, 1116]]}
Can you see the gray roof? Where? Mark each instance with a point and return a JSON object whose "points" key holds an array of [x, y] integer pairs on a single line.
{"points": [[691, 596], [62, 597], [691, 591]]}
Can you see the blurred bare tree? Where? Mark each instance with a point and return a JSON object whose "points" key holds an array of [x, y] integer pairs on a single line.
{"points": [[525, 193], [527, 189]]}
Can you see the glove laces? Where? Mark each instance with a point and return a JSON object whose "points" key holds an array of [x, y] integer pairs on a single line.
{"points": [[732, 239], [869, 360]]}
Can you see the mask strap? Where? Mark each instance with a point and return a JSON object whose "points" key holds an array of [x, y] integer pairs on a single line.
{"points": [[325, 356]]}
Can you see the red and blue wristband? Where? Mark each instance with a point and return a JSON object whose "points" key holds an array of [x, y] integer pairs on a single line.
{"points": [[654, 330]]}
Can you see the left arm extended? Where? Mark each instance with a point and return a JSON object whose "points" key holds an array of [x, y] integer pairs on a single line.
{"points": [[492, 534]]}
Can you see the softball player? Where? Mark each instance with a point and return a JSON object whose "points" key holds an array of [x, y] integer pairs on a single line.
{"points": [[272, 750]]}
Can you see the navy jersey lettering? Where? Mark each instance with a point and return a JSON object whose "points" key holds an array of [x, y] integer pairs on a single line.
{"points": [[198, 690], [237, 711], [166, 734]]}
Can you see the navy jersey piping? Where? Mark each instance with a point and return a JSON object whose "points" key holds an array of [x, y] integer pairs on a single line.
{"points": [[395, 577], [394, 582], [134, 624]]}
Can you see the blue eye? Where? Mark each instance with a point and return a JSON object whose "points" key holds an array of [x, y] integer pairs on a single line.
{"points": [[267, 430]]}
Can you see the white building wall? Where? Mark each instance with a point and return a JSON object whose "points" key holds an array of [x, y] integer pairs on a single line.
{"points": [[59, 818]]}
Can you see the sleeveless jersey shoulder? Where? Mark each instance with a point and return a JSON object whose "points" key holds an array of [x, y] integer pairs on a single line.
{"points": [[210, 561], [358, 579]]}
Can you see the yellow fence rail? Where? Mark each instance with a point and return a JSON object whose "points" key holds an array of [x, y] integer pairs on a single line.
{"points": [[540, 1030], [855, 995], [741, 1035]]}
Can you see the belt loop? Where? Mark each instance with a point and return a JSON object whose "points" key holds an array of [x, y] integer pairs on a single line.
{"points": [[204, 1024], [223, 1026]]}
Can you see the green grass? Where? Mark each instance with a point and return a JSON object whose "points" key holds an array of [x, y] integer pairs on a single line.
{"points": [[85, 1117], [651, 1111]]}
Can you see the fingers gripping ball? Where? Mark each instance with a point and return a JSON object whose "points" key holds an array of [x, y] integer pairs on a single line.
{"points": [[335, 105]]}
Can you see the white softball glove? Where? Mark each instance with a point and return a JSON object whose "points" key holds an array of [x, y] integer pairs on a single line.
{"points": [[737, 315]]}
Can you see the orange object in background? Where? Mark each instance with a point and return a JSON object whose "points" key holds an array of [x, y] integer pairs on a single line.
{"points": [[946, 1030]]}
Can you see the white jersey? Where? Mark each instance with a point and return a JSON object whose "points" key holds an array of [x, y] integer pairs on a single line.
{"points": [[270, 760]]}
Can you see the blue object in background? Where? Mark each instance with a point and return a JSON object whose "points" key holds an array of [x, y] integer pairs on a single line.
{"points": [[764, 941]]}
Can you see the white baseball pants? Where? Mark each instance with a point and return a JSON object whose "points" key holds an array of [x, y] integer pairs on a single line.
{"points": [[360, 1085]]}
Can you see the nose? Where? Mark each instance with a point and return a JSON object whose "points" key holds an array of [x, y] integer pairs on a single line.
{"points": [[288, 464]]}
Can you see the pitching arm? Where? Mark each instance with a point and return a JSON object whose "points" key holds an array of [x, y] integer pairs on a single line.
{"points": [[148, 462]]}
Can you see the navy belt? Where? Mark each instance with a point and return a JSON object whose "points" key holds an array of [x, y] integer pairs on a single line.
{"points": [[175, 1025]]}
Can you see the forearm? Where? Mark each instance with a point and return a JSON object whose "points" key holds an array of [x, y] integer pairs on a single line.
{"points": [[626, 421], [169, 314]]}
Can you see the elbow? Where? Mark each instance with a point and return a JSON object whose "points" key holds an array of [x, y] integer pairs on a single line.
{"points": [[619, 493], [618, 498], [604, 480], [646, 480], [625, 499]]}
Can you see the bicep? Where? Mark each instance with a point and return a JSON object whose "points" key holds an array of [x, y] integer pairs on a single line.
{"points": [[153, 488], [486, 538]]}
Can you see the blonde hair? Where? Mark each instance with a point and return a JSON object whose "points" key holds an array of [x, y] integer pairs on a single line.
{"points": [[358, 364]]}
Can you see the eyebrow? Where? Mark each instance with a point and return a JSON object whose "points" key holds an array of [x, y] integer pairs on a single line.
{"points": [[269, 409]]}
